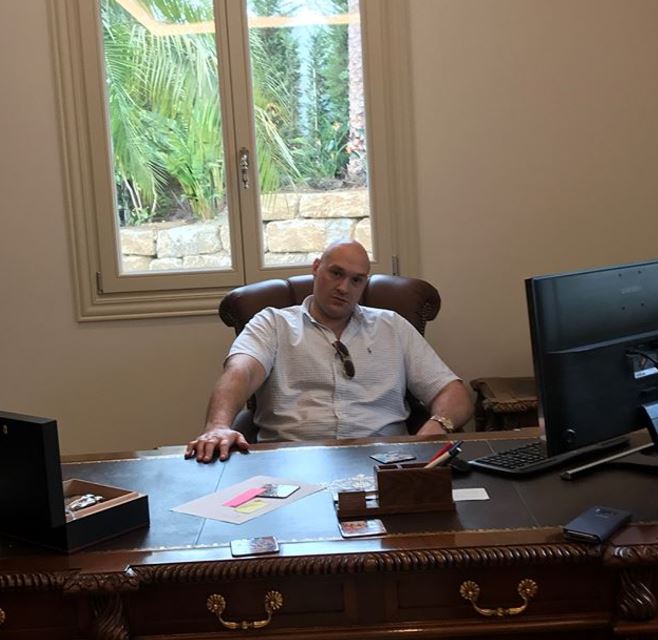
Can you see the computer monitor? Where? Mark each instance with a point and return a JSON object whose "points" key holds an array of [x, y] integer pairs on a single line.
{"points": [[595, 351]]}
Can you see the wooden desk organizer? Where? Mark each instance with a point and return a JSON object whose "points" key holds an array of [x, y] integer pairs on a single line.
{"points": [[401, 488]]}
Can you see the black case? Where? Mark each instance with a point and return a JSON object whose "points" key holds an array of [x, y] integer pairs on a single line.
{"points": [[32, 491], [596, 524]]}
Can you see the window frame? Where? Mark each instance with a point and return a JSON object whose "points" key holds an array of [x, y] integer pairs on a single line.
{"points": [[87, 172]]}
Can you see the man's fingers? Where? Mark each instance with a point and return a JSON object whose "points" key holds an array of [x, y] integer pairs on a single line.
{"points": [[224, 446], [190, 448], [204, 447]]}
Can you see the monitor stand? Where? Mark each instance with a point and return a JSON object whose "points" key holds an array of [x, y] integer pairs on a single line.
{"points": [[643, 458], [647, 459]]}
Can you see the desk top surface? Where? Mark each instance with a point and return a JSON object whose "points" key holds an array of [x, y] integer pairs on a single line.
{"points": [[528, 511]]}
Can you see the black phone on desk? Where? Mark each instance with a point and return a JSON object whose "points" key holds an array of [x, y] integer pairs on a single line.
{"points": [[596, 524]]}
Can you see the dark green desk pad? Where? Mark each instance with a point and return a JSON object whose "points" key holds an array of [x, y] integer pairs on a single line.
{"points": [[170, 481]]}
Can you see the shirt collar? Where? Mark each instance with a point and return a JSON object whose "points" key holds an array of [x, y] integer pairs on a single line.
{"points": [[357, 312]]}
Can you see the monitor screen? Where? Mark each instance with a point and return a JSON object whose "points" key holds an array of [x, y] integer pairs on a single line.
{"points": [[595, 351]]}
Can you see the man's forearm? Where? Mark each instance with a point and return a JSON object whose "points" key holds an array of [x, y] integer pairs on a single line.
{"points": [[238, 381], [453, 402], [225, 402]]}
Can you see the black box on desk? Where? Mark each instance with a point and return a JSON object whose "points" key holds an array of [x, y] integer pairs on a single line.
{"points": [[32, 494]]}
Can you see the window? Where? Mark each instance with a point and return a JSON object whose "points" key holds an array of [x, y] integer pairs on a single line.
{"points": [[209, 144]]}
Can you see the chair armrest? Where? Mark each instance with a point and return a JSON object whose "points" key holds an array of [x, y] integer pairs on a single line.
{"points": [[418, 416]]}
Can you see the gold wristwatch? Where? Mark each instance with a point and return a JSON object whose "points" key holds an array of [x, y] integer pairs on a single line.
{"points": [[446, 423]]}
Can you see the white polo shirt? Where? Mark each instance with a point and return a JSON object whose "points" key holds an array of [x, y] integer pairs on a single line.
{"points": [[306, 394]]}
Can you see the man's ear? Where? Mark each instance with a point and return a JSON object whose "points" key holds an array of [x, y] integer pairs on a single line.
{"points": [[316, 266]]}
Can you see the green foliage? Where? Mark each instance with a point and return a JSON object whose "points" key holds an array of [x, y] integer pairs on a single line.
{"points": [[165, 115], [311, 114], [323, 153], [276, 69]]}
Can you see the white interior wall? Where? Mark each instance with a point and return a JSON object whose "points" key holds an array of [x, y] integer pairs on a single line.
{"points": [[537, 151], [537, 147]]}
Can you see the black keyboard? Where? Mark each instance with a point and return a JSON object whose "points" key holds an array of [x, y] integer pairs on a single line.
{"points": [[533, 457]]}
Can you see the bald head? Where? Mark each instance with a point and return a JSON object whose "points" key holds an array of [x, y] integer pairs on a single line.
{"points": [[340, 276], [347, 249]]}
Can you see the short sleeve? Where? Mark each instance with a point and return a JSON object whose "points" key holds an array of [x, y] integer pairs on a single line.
{"points": [[258, 339], [427, 374]]}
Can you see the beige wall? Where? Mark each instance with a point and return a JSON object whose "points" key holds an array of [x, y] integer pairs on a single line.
{"points": [[537, 134], [111, 385], [537, 151]]}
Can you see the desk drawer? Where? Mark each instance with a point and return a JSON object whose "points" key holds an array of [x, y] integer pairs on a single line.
{"points": [[28, 614], [570, 597], [495, 593], [309, 601]]}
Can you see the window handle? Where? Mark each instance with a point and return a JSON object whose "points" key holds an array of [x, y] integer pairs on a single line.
{"points": [[244, 167]]}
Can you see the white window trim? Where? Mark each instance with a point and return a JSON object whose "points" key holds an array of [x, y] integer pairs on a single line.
{"points": [[387, 67]]}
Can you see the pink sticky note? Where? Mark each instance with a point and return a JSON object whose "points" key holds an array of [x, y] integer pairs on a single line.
{"points": [[244, 497]]}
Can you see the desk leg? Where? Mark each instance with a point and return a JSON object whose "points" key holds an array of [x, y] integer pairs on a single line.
{"points": [[109, 619], [636, 601]]}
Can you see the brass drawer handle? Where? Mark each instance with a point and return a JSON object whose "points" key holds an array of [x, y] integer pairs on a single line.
{"points": [[527, 589], [3, 617], [273, 602]]}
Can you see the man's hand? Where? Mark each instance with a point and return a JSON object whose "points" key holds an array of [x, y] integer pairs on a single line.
{"points": [[220, 439]]}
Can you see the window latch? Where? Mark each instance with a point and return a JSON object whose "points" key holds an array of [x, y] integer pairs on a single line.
{"points": [[244, 167]]}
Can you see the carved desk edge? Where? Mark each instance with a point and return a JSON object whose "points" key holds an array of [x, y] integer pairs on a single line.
{"points": [[131, 577], [635, 546]]}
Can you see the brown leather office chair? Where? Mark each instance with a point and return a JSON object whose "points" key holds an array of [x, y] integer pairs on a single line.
{"points": [[416, 300]]}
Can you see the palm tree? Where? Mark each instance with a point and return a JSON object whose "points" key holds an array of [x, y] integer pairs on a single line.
{"points": [[165, 116]]}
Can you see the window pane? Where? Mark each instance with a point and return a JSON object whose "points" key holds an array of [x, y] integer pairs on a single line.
{"points": [[163, 95], [307, 82]]}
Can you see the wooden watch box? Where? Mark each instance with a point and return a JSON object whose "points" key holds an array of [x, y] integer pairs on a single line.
{"points": [[33, 496]]}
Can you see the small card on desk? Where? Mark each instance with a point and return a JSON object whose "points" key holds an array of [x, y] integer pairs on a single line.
{"points": [[360, 528], [391, 457], [278, 490], [254, 546], [253, 505]]}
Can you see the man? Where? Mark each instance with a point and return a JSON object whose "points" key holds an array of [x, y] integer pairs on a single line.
{"points": [[329, 368]]}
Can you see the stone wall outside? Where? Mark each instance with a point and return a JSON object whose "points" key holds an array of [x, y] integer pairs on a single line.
{"points": [[297, 227]]}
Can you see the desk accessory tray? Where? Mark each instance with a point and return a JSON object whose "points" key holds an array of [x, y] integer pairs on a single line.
{"points": [[401, 488], [32, 494]]}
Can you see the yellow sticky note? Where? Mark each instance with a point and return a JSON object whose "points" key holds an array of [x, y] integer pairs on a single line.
{"points": [[251, 506]]}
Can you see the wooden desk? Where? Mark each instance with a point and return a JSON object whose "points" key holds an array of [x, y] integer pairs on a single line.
{"points": [[156, 583]]}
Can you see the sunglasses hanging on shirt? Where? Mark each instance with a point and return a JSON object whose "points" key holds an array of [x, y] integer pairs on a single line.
{"points": [[345, 358]]}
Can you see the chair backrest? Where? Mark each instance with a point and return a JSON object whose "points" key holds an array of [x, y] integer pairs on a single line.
{"points": [[416, 300]]}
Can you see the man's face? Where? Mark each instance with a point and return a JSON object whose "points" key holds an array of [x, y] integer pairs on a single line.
{"points": [[340, 278]]}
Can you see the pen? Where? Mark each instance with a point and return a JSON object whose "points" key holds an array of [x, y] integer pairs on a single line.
{"points": [[450, 453], [441, 451]]}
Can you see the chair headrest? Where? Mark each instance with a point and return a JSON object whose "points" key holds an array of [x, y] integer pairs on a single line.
{"points": [[416, 300]]}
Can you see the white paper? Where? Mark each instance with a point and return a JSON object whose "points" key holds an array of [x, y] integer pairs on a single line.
{"points": [[212, 505], [458, 495], [477, 493]]}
